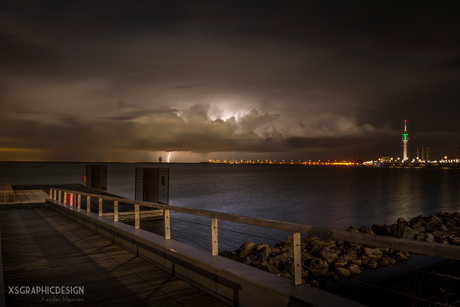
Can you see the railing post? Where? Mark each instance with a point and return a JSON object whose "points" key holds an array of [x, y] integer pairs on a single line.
{"points": [[100, 206], [297, 258], [65, 197], [136, 217], [115, 210], [54, 194], [215, 245], [88, 203], [79, 201], [167, 222], [59, 197], [51, 193]]}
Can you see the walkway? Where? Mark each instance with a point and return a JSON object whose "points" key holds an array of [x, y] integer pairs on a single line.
{"points": [[41, 248], [27, 197]]}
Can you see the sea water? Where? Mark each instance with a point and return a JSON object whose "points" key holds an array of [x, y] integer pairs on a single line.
{"points": [[332, 197]]}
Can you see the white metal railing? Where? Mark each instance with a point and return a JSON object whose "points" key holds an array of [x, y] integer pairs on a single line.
{"points": [[418, 247]]}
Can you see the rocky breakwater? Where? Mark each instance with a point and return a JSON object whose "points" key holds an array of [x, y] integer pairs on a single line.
{"points": [[324, 259]]}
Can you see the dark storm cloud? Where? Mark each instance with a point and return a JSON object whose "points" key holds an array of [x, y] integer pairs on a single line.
{"points": [[316, 78]]}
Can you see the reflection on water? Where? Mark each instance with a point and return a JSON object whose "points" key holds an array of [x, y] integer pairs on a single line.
{"points": [[330, 197], [334, 197]]}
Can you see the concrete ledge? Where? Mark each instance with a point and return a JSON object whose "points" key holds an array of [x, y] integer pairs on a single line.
{"points": [[2, 281], [230, 281], [20, 206], [20, 197], [6, 193]]}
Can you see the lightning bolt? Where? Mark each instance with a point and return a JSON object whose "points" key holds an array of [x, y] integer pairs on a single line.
{"points": [[169, 156]]}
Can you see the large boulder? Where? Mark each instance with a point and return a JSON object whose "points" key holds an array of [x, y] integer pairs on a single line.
{"points": [[429, 238], [454, 240], [401, 255], [400, 230], [317, 266], [434, 221], [343, 272], [328, 255], [409, 233], [262, 253], [245, 249], [341, 262], [351, 251], [282, 261], [366, 229], [387, 261], [416, 221], [373, 253], [352, 229], [383, 230], [354, 269], [372, 264]]}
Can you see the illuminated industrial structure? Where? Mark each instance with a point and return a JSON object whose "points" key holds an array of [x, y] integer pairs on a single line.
{"points": [[424, 161], [405, 139]]}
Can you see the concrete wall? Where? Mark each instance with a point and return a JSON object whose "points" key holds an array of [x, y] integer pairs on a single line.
{"points": [[2, 282], [230, 281]]}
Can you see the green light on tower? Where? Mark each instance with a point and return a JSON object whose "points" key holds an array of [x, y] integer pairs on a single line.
{"points": [[405, 140]]}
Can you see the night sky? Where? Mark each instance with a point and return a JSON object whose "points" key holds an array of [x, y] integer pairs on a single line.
{"points": [[132, 80]]}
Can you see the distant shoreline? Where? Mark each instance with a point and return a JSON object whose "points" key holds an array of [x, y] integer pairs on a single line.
{"points": [[306, 164], [102, 162]]}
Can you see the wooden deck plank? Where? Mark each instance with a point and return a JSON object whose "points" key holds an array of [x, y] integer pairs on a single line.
{"points": [[40, 247]]}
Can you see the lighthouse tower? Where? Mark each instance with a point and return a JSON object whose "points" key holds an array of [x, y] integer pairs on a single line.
{"points": [[405, 138]]}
